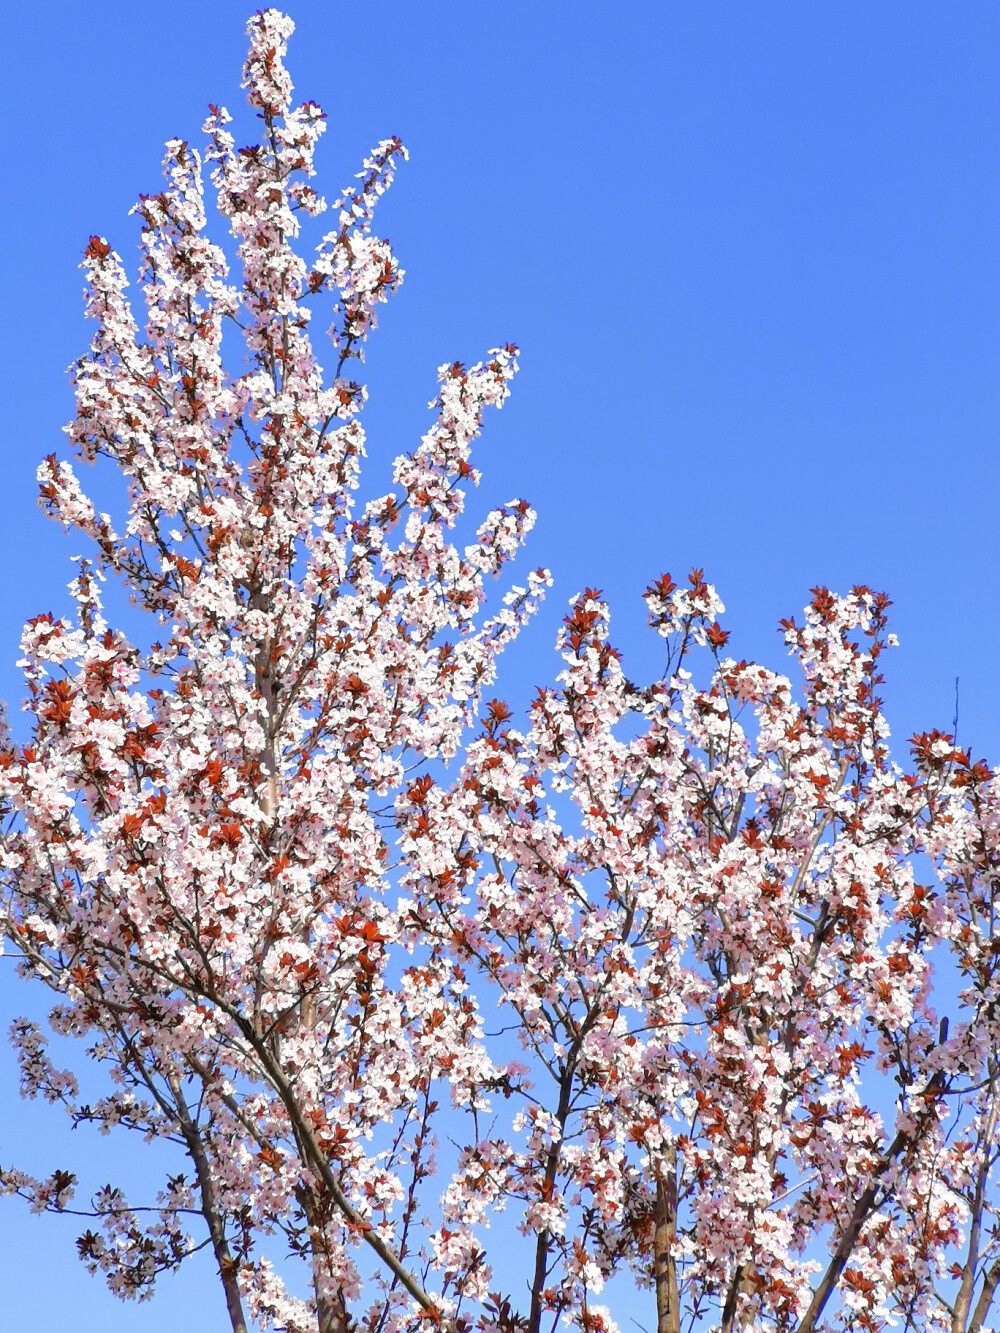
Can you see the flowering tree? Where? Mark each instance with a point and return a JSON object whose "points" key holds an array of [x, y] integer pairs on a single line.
{"points": [[655, 974]]}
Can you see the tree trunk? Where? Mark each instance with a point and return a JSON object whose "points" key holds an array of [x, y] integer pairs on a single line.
{"points": [[228, 1267], [331, 1308], [668, 1315], [331, 1311]]}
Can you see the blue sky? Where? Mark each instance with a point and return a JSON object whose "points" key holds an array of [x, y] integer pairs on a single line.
{"points": [[749, 252]]}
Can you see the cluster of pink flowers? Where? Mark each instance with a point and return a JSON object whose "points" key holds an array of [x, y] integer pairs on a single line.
{"points": [[289, 866]]}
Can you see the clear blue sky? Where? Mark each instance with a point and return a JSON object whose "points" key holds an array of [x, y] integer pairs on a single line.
{"points": [[749, 251]]}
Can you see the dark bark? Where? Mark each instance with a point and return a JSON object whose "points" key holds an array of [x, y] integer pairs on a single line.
{"points": [[668, 1314], [963, 1301], [544, 1240], [982, 1309], [228, 1268]]}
